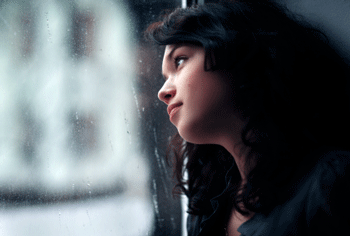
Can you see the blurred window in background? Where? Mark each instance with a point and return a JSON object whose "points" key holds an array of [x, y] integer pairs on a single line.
{"points": [[82, 141]]}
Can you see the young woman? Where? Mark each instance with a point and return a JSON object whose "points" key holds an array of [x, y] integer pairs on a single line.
{"points": [[261, 106]]}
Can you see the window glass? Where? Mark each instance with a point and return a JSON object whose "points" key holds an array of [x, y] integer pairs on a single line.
{"points": [[331, 17], [82, 134]]}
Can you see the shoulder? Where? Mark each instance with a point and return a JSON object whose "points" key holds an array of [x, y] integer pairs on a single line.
{"points": [[335, 160], [327, 206], [332, 170]]}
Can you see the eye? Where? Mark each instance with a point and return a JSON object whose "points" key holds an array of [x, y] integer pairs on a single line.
{"points": [[179, 60]]}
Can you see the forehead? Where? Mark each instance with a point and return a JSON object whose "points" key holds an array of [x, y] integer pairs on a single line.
{"points": [[169, 49]]}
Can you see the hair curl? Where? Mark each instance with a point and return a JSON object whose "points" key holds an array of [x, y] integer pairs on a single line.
{"points": [[287, 79]]}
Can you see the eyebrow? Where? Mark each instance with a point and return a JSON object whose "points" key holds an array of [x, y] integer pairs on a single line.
{"points": [[173, 50], [176, 46]]}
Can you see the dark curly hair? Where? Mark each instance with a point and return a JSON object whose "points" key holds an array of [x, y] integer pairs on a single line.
{"points": [[292, 86]]}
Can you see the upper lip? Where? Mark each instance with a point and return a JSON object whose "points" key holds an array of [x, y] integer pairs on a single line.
{"points": [[172, 106]]}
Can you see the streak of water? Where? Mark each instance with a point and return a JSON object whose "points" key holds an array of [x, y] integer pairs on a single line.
{"points": [[48, 27], [5, 21], [155, 135], [173, 222], [127, 127], [59, 217], [110, 142], [161, 165], [136, 101], [161, 172], [155, 201]]}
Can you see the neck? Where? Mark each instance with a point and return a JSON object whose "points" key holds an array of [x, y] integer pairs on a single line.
{"points": [[239, 152]]}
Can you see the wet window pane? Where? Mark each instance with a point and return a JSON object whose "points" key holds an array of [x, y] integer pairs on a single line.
{"points": [[82, 134]]}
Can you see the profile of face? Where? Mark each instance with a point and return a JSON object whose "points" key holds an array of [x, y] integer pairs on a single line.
{"points": [[200, 103]]}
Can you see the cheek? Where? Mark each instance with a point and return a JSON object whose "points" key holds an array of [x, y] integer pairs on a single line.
{"points": [[196, 82], [193, 74]]}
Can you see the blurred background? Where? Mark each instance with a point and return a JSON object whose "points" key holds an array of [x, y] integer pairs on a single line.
{"points": [[82, 134], [80, 151]]}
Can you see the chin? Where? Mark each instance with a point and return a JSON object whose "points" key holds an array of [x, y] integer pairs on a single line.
{"points": [[194, 137]]}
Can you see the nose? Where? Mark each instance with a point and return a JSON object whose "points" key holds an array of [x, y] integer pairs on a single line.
{"points": [[167, 92]]}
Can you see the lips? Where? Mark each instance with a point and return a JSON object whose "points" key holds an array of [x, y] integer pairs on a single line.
{"points": [[173, 107]]}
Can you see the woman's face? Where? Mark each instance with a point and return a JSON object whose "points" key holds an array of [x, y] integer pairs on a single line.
{"points": [[200, 103]]}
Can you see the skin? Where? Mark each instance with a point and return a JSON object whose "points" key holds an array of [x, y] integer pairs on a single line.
{"points": [[207, 114]]}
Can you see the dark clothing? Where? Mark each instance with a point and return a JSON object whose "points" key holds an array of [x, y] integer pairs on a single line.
{"points": [[318, 204]]}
